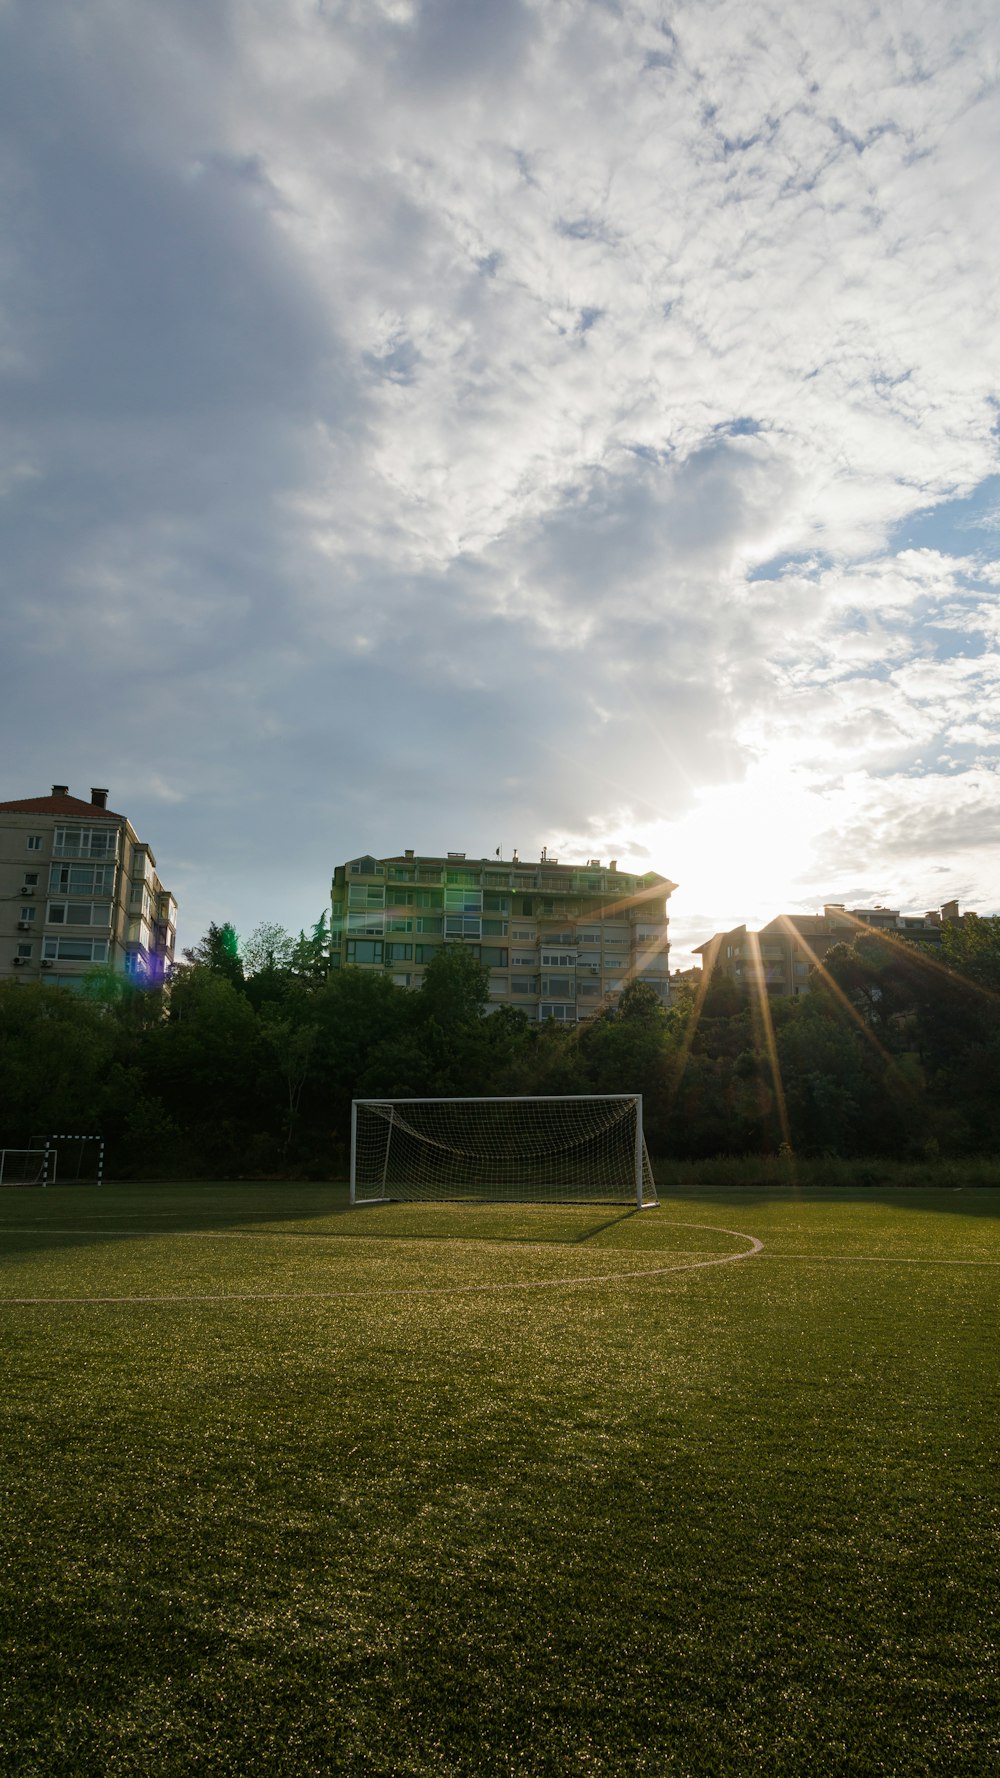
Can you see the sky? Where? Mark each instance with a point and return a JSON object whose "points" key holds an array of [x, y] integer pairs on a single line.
{"points": [[454, 424]]}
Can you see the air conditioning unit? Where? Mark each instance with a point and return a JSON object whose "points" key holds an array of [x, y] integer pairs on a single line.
{"points": [[46, 963], [25, 925], [27, 889], [19, 962]]}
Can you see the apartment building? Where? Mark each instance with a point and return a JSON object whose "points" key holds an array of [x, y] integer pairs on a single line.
{"points": [[781, 954], [78, 888], [559, 940]]}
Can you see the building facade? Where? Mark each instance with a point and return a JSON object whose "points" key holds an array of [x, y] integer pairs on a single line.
{"points": [[781, 954], [559, 940], [79, 889]]}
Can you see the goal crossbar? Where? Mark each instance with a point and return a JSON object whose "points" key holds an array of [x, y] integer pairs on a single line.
{"points": [[541, 1148]]}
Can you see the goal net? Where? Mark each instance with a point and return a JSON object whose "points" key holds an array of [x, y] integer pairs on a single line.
{"points": [[75, 1160], [24, 1166], [572, 1150]]}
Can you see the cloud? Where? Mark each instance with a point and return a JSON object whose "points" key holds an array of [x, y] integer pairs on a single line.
{"points": [[456, 418]]}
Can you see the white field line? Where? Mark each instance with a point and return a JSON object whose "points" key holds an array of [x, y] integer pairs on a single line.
{"points": [[301, 1296]]}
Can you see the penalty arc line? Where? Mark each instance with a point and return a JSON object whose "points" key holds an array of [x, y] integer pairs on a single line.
{"points": [[283, 1296]]}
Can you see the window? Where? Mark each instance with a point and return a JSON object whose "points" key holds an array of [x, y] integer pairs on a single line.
{"points": [[802, 969], [397, 953], [430, 898], [560, 1013], [79, 913], [399, 873], [524, 933], [456, 926], [430, 923], [588, 989], [494, 956], [467, 878], [27, 914], [364, 867], [360, 950], [522, 984], [496, 904], [424, 953], [523, 960], [365, 895], [30, 878], [494, 929], [526, 905], [34, 842], [76, 950], [592, 936], [85, 842], [25, 950], [558, 959], [81, 879], [400, 898], [371, 923], [463, 901], [399, 923], [558, 987]]}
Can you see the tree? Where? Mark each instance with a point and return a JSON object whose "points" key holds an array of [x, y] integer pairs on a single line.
{"points": [[268, 949], [219, 951]]}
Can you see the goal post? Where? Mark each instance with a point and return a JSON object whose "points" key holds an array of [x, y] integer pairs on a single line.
{"points": [[574, 1148], [27, 1166]]}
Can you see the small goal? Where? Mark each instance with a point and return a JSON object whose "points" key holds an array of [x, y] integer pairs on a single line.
{"points": [[24, 1166], [577, 1149]]}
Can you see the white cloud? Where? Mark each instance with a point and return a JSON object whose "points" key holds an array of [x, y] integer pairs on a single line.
{"points": [[463, 416]]}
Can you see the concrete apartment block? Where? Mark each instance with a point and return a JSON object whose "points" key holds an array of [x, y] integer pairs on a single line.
{"points": [[781, 954], [78, 888], [559, 940]]}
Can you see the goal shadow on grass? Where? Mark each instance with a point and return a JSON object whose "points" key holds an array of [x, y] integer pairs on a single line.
{"points": [[40, 1222]]}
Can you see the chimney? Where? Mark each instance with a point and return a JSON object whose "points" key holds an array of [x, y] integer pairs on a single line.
{"points": [[60, 790], [409, 852], [613, 864], [99, 798]]}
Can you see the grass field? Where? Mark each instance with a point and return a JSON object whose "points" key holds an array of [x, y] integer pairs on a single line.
{"points": [[290, 1489]]}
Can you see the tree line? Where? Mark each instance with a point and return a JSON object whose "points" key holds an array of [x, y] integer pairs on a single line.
{"points": [[247, 1065]]}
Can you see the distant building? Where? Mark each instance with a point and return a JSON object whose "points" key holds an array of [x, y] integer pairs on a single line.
{"points": [[781, 954], [78, 888], [559, 940]]}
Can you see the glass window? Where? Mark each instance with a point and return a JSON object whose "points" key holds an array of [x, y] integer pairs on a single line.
{"points": [[558, 987], [468, 878], [494, 956], [27, 913], [457, 926], [25, 950], [522, 984], [430, 898], [430, 923], [496, 904], [77, 950], [463, 901], [30, 878], [424, 953], [360, 950], [399, 923], [399, 953], [494, 929], [34, 842]]}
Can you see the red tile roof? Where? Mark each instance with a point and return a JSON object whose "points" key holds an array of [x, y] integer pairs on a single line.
{"points": [[59, 805]]}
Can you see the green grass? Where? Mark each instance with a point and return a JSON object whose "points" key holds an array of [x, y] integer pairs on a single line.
{"points": [[336, 1507]]}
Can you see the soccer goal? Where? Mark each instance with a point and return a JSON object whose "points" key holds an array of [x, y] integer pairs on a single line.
{"points": [[78, 1160], [24, 1166], [583, 1149]]}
